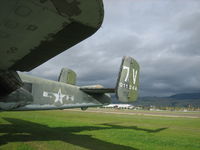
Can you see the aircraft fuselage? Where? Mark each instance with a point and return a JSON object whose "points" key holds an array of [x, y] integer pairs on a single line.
{"points": [[39, 93]]}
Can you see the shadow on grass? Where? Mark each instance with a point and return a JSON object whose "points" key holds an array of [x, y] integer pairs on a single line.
{"points": [[113, 126], [24, 131]]}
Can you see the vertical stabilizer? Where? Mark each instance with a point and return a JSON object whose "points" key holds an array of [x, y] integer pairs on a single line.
{"points": [[67, 76], [128, 80]]}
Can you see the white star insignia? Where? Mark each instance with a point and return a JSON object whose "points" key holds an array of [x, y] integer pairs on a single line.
{"points": [[59, 96]]}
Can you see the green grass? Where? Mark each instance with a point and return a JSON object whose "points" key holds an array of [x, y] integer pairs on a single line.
{"points": [[70, 130]]}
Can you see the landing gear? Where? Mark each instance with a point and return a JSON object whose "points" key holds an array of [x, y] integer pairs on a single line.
{"points": [[84, 108]]}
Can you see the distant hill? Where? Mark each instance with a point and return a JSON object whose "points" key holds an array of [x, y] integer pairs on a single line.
{"points": [[177, 100], [186, 96]]}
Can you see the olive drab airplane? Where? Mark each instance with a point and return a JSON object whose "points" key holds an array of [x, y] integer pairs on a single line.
{"points": [[32, 32]]}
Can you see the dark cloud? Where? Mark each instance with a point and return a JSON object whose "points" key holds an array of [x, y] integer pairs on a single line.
{"points": [[163, 36]]}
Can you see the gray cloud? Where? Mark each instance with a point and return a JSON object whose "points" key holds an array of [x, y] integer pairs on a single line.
{"points": [[163, 36]]}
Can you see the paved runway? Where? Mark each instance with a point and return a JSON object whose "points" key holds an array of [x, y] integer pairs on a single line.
{"points": [[144, 113]]}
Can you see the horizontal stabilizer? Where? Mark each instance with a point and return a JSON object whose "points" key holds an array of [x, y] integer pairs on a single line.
{"points": [[98, 90], [99, 93], [127, 84]]}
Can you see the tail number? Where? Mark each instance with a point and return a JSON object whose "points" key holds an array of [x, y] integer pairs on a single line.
{"points": [[127, 84], [127, 74]]}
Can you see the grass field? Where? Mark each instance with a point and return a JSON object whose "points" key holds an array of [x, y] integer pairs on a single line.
{"points": [[73, 130]]}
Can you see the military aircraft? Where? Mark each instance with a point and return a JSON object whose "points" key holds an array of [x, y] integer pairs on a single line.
{"points": [[32, 32]]}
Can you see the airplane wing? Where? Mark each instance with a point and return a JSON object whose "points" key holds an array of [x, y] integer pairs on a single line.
{"points": [[33, 31]]}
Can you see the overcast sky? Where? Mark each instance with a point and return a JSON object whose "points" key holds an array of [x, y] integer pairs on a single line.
{"points": [[162, 35]]}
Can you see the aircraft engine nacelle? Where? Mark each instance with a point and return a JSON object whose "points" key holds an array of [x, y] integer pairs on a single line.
{"points": [[9, 82], [16, 99], [67, 76]]}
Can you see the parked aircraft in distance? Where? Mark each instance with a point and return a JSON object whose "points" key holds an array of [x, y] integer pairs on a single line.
{"points": [[119, 106], [32, 32]]}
